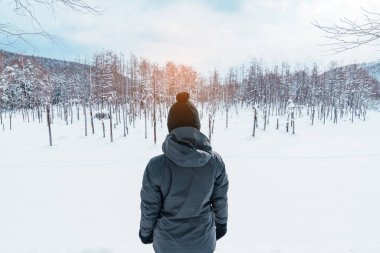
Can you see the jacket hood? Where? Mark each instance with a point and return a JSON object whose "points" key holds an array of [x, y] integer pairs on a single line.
{"points": [[187, 147]]}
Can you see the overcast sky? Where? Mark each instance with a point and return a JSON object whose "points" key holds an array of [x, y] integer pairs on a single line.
{"points": [[206, 34]]}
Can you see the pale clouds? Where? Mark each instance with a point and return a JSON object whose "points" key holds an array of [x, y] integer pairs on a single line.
{"points": [[214, 34]]}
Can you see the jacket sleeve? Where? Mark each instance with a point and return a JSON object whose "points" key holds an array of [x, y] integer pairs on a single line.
{"points": [[151, 202], [219, 194]]}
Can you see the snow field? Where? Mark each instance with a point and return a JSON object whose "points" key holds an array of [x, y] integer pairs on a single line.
{"points": [[315, 192]]}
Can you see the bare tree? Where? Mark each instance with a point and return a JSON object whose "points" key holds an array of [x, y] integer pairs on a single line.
{"points": [[349, 34], [10, 33]]}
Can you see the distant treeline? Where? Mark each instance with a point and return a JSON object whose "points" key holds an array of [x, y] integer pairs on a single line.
{"points": [[29, 82]]}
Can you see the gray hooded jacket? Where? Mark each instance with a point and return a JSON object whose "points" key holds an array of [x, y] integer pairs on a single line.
{"points": [[184, 192]]}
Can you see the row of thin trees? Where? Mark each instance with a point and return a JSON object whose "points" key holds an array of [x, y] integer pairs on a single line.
{"points": [[122, 90]]}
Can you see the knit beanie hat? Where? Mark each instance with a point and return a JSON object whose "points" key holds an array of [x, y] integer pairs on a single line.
{"points": [[183, 113]]}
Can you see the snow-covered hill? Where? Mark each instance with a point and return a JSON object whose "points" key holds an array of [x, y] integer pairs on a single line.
{"points": [[373, 69], [49, 64]]}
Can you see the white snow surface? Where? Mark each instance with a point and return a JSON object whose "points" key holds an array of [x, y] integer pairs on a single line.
{"points": [[317, 191]]}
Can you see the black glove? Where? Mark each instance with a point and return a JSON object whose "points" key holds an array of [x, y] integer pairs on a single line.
{"points": [[221, 230], [145, 240]]}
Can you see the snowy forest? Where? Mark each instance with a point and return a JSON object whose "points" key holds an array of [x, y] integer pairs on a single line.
{"points": [[296, 143], [123, 89]]}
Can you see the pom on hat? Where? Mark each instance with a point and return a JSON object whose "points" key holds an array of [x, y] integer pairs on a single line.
{"points": [[182, 97]]}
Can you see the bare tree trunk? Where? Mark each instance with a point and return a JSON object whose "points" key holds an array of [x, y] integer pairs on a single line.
{"points": [[254, 122], [119, 108], [92, 120], [154, 125], [294, 128], [133, 115], [85, 120], [160, 110], [10, 120], [124, 121], [293, 122], [111, 133], [287, 124], [65, 112], [48, 123], [265, 118], [77, 112], [209, 126], [226, 116], [39, 114], [146, 127], [71, 112], [154, 109], [126, 118], [104, 129]]}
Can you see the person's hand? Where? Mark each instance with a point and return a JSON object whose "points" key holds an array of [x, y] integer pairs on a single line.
{"points": [[221, 230], [146, 240]]}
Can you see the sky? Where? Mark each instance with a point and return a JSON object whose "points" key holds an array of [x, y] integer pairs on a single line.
{"points": [[205, 34]]}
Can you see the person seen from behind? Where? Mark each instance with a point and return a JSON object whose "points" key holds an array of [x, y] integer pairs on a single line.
{"points": [[184, 190]]}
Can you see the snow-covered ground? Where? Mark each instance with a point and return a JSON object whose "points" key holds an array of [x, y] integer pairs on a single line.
{"points": [[317, 191]]}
